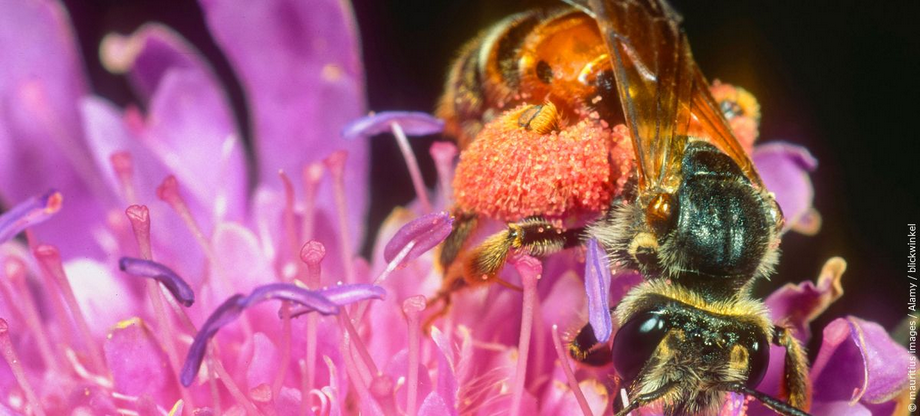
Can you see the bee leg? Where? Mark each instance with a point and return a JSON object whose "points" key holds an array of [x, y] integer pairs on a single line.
{"points": [[586, 349], [778, 406], [644, 399], [534, 236], [795, 386], [452, 248], [464, 225], [443, 296]]}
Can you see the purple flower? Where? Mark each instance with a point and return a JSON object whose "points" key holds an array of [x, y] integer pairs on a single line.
{"points": [[165, 191]]}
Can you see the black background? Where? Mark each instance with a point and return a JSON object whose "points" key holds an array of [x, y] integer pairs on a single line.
{"points": [[837, 77]]}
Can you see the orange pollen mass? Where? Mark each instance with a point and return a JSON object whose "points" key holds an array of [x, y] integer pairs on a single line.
{"points": [[510, 172]]}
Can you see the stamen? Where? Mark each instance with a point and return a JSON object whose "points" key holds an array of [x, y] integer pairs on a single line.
{"points": [[168, 192], [9, 354], [444, 154], [336, 165], [415, 123], [15, 270], [285, 348], [412, 308], [569, 376], [50, 260], [304, 388], [32, 211], [289, 229], [345, 320], [156, 271], [312, 254], [139, 216], [597, 286], [123, 166], [226, 313], [530, 270], [288, 291], [233, 307], [231, 386], [343, 295], [177, 408], [423, 233], [285, 312], [414, 172], [312, 175], [8, 299], [352, 370], [83, 373]]}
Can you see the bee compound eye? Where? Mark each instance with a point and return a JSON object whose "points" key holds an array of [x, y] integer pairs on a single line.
{"points": [[759, 349], [636, 341]]}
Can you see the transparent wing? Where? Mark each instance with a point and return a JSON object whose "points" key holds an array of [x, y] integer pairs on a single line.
{"points": [[664, 95]]}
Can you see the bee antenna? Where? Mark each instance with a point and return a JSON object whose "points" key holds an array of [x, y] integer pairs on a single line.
{"points": [[773, 403]]}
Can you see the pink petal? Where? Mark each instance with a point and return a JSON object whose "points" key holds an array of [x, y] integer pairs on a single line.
{"points": [[106, 131], [189, 122], [300, 67], [448, 386], [798, 305], [104, 298], [859, 361], [41, 82], [241, 261], [190, 118], [262, 360], [565, 304], [147, 55], [840, 408], [398, 367], [559, 399], [137, 362], [435, 405], [785, 169]]}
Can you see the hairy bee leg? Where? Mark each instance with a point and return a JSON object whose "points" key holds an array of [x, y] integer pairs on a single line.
{"points": [[452, 248], [644, 399], [585, 348], [533, 236], [464, 225], [778, 406], [795, 385], [439, 313]]}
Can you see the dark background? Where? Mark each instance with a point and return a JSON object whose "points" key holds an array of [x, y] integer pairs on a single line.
{"points": [[837, 77]]}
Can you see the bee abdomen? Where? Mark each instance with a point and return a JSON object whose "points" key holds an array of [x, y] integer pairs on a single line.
{"points": [[484, 76]]}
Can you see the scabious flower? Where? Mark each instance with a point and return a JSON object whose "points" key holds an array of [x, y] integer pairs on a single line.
{"points": [[153, 199]]}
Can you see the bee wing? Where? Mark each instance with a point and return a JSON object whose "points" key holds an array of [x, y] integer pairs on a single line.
{"points": [[664, 95]]}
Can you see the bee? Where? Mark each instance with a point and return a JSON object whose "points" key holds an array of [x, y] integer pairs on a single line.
{"points": [[687, 208], [531, 102]]}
